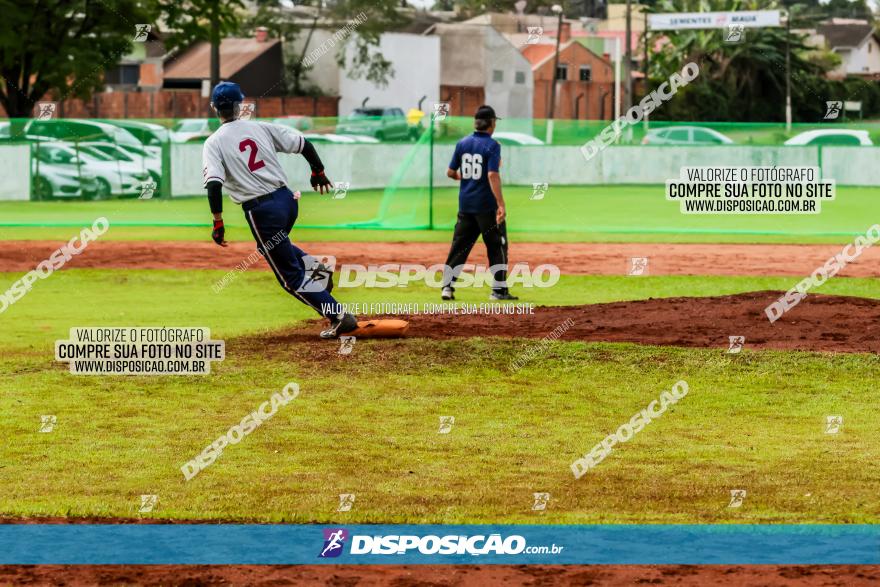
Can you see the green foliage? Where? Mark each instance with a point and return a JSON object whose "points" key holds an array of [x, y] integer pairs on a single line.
{"points": [[191, 20], [363, 58], [62, 47], [746, 81]]}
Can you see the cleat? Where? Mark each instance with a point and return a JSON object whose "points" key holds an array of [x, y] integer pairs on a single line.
{"points": [[340, 325], [447, 293], [497, 296]]}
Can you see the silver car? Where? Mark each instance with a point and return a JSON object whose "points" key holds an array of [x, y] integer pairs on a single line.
{"points": [[57, 172]]}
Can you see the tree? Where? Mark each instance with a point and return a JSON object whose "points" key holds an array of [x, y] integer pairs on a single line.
{"points": [[471, 8], [356, 50], [738, 81], [201, 20], [61, 47]]}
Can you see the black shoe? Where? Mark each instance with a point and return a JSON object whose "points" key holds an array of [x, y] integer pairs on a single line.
{"points": [[340, 325], [501, 295]]}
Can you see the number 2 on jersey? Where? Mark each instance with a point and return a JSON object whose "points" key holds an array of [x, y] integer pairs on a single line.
{"points": [[253, 164], [471, 166]]}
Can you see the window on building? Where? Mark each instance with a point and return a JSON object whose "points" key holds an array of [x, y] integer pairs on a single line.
{"points": [[497, 76], [123, 74], [562, 72], [520, 77], [586, 73]]}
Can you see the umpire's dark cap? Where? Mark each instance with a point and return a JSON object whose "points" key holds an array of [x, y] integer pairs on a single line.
{"points": [[485, 112]]}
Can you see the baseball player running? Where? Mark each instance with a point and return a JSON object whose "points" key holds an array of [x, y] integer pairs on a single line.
{"points": [[242, 156], [476, 163]]}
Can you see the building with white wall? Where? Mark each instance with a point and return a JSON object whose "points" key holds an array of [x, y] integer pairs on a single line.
{"points": [[857, 44], [415, 61], [481, 66]]}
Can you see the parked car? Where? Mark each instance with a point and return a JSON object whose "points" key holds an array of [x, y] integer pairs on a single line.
{"points": [[315, 137], [839, 137], [139, 156], [685, 135], [57, 172], [295, 122], [193, 129], [383, 123], [148, 133], [75, 130], [114, 177], [516, 138]]}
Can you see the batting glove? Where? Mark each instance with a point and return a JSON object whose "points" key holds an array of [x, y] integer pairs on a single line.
{"points": [[320, 183], [218, 233]]}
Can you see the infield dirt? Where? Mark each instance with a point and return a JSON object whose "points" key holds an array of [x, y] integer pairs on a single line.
{"points": [[443, 576], [572, 259]]}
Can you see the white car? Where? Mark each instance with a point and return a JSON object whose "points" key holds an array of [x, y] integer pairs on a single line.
{"points": [[685, 135], [295, 122], [838, 137], [77, 130], [57, 172], [193, 129], [115, 177], [516, 138], [140, 156]]}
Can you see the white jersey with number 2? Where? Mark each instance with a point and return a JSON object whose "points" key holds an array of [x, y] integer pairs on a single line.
{"points": [[243, 156]]}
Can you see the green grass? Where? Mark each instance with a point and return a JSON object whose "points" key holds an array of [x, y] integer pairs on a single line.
{"points": [[754, 422], [367, 423], [571, 213]]}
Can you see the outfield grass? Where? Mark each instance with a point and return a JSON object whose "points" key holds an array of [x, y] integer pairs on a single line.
{"points": [[571, 213], [368, 423]]}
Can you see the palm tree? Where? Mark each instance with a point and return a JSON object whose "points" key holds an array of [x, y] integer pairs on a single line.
{"points": [[742, 81]]}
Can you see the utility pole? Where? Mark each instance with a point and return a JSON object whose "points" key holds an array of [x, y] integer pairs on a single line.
{"points": [[215, 43], [627, 68], [558, 10], [788, 71], [549, 136]]}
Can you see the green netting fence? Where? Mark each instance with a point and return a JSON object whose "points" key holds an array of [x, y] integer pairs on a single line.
{"points": [[390, 173]]}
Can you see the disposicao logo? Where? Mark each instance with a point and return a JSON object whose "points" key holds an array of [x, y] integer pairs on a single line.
{"points": [[334, 540]]}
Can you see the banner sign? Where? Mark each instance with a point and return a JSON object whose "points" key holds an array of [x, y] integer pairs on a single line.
{"points": [[383, 544], [673, 21]]}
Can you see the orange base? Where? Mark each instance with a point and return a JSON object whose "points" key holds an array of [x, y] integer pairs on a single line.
{"points": [[380, 329]]}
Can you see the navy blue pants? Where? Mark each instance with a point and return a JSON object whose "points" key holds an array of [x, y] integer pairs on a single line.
{"points": [[271, 219]]}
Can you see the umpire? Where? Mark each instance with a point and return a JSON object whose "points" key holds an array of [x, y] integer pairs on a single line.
{"points": [[476, 163]]}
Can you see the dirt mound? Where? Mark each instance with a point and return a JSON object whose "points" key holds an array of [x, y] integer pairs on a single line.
{"points": [[818, 323]]}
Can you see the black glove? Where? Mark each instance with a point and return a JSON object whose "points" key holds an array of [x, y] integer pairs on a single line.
{"points": [[320, 183], [218, 233]]}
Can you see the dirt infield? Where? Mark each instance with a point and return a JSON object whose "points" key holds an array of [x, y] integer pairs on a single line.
{"points": [[571, 258], [818, 323], [442, 576]]}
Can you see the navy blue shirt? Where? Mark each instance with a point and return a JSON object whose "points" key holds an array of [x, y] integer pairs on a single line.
{"points": [[475, 156]]}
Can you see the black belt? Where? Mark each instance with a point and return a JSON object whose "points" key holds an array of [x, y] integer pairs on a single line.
{"points": [[253, 202]]}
